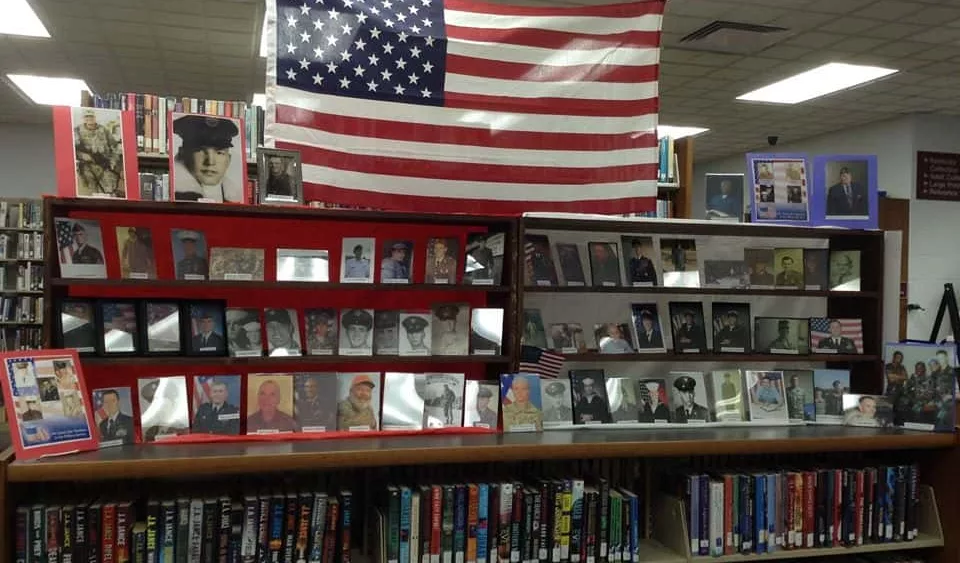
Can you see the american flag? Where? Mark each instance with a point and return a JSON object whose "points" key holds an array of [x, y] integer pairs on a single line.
{"points": [[201, 389], [542, 362], [446, 105], [99, 413], [65, 241], [852, 328]]}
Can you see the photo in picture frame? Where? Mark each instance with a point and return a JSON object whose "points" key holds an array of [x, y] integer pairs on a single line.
{"points": [[117, 328], [280, 177], [76, 326], [205, 328], [161, 329]]}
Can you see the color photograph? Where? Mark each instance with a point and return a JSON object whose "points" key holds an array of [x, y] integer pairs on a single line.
{"points": [[315, 403], [521, 402], [135, 246], [207, 328], [829, 386], [270, 403], [283, 332], [164, 407], [647, 327], [724, 197], [113, 415], [639, 261], [99, 152], [780, 188], [869, 411], [322, 337], [189, 254], [836, 336], [775, 335], [397, 261], [441, 267], [728, 401], [244, 332], [238, 264], [766, 396], [80, 246], [216, 404], [356, 260], [359, 406], [847, 193], [680, 264], [534, 333], [481, 404], [613, 338], [568, 338], [689, 332], [800, 394], [207, 159], [653, 403], [919, 382], [604, 264]]}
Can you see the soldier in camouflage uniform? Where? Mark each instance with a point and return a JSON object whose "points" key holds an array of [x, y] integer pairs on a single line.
{"points": [[98, 157], [521, 411]]}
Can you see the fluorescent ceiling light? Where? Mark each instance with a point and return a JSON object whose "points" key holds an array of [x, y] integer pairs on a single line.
{"points": [[263, 38], [50, 91], [816, 82], [676, 132], [20, 19], [260, 100]]}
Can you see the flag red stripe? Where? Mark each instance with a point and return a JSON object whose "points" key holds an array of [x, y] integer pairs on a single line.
{"points": [[442, 134], [464, 171], [459, 64], [553, 106], [552, 39], [629, 10], [426, 204]]}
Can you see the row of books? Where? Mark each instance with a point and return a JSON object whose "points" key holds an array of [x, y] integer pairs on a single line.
{"points": [[547, 521], [20, 338], [667, 170], [21, 309], [292, 527], [22, 277], [664, 210], [25, 246], [781, 510], [21, 214]]}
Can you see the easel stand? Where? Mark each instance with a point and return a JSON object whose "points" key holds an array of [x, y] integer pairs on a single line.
{"points": [[948, 303]]}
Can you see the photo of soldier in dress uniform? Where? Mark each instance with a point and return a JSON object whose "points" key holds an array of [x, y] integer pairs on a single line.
{"points": [[521, 402], [208, 162], [80, 247], [76, 326], [483, 263], [534, 333], [315, 401], [731, 327], [788, 264], [207, 329], [590, 404], [397, 258], [415, 334], [386, 333], [782, 336], [321, 331], [649, 330], [283, 332], [613, 338], [836, 336], [216, 404], [244, 333], [189, 254], [359, 406], [135, 245], [113, 412], [571, 266], [622, 396], [98, 152], [604, 264], [481, 404], [245, 264], [679, 261], [557, 405], [845, 270], [451, 329], [760, 261], [443, 400], [356, 325], [689, 398], [538, 262], [689, 333], [728, 396], [652, 401], [815, 268], [766, 396], [639, 257], [269, 403], [800, 404], [164, 407], [568, 338], [441, 267], [280, 176], [162, 321], [118, 331], [486, 331], [357, 258]]}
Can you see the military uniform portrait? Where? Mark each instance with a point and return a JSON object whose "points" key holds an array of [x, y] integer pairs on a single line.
{"points": [[731, 327], [481, 402], [280, 177], [162, 322], [359, 406], [689, 333], [800, 394], [836, 336], [728, 402], [113, 415], [80, 246], [604, 264], [189, 254], [829, 386], [322, 331], [486, 331], [679, 261], [441, 264], [815, 269], [242, 264], [415, 334], [647, 327], [356, 265], [868, 411], [216, 405], [207, 328], [315, 401], [760, 262], [622, 397], [270, 403], [355, 328], [921, 385], [639, 261], [396, 262], [773, 335], [443, 400], [571, 265], [766, 396], [483, 260], [726, 273], [283, 332], [688, 398], [538, 266], [534, 333], [557, 402], [845, 270], [590, 404], [208, 162], [788, 267], [520, 402], [119, 332], [244, 333], [135, 249], [386, 333], [77, 328], [613, 338], [567, 338], [450, 325], [303, 265], [164, 407], [652, 402], [98, 151]]}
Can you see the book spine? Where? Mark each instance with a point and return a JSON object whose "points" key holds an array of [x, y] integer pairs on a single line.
{"points": [[604, 492], [880, 482], [890, 501], [913, 502], [556, 501], [759, 510], [516, 523], [318, 525], [634, 528], [426, 523], [473, 508], [900, 508], [403, 534], [237, 515], [52, 533], [166, 531], [858, 495], [289, 528], [566, 526], [108, 531], [346, 525], [139, 543], [393, 524], [195, 535], [530, 526], [211, 514], [494, 525], [728, 514], [67, 526], [330, 536], [80, 531], [693, 512], [576, 521], [436, 523], [544, 510], [506, 515], [483, 521], [248, 538], [223, 527], [717, 509], [275, 528], [415, 512], [37, 523], [447, 524], [304, 519], [94, 529], [704, 519], [770, 487], [124, 514], [750, 542]]}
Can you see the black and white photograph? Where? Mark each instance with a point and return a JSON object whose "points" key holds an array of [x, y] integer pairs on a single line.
{"points": [[359, 396], [679, 262], [847, 189], [403, 401], [538, 261], [207, 328], [728, 404], [451, 329], [590, 404], [774, 335], [80, 245], [486, 331], [726, 273], [244, 333], [208, 161], [689, 331], [604, 264], [77, 330], [189, 254], [836, 336], [653, 405], [571, 265], [788, 267], [568, 338], [613, 338], [356, 326], [315, 401], [760, 262], [534, 333], [815, 269], [622, 397], [162, 322], [240, 264], [415, 332], [321, 327], [800, 394], [397, 259], [441, 267], [386, 333], [724, 197], [647, 327], [283, 332], [164, 407], [688, 398], [640, 261], [443, 400], [98, 151], [731, 327], [119, 328], [829, 387], [869, 411], [557, 403], [280, 177], [844, 270], [766, 396], [135, 253], [481, 404], [302, 265], [483, 263], [356, 265]]}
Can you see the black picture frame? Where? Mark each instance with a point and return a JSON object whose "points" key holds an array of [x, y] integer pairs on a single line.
{"points": [[107, 310], [218, 313], [696, 334], [263, 177], [58, 337], [144, 326]]}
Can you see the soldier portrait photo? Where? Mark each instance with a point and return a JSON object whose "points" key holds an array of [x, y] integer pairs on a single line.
{"points": [[688, 399], [815, 268], [590, 404], [557, 402], [652, 402], [269, 403], [829, 386], [647, 327], [315, 401], [727, 396], [567, 337], [356, 260], [303, 265], [283, 332], [80, 245], [207, 328], [871, 411], [135, 247], [847, 192], [216, 404], [450, 325], [386, 333], [534, 333], [208, 162], [800, 403], [689, 332], [355, 328], [571, 265], [923, 398], [845, 270], [788, 267], [415, 334], [483, 263], [443, 400], [836, 336], [118, 330], [164, 407], [726, 273], [724, 197], [520, 402], [76, 326], [396, 261], [760, 262], [622, 397], [538, 261], [639, 261], [280, 176], [98, 152], [678, 258], [775, 335], [244, 333], [236, 263], [613, 338], [731, 327], [604, 264], [359, 406], [189, 254], [766, 395], [486, 330], [481, 402], [321, 331], [113, 415], [162, 319], [441, 264]]}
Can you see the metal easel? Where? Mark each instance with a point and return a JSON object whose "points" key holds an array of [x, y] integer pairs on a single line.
{"points": [[948, 304]]}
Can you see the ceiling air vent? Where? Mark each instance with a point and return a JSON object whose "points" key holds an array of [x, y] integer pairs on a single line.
{"points": [[734, 37]]}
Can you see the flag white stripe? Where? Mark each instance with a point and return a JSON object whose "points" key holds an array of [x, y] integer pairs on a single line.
{"points": [[625, 56], [466, 84], [371, 146], [583, 25], [487, 120], [412, 186]]}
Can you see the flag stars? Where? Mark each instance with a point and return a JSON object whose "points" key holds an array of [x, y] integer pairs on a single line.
{"points": [[318, 53], [374, 33], [429, 41], [388, 48], [344, 82], [291, 21], [386, 74], [358, 70], [414, 10], [346, 28], [360, 44], [374, 60], [345, 55], [317, 79], [331, 40], [399, 89], [401, 64], [413, 78], [415, 52], [304, 63], [291, 75], [333, 13], [348, 3], [425, 92], [318, 24], [331, 67], [427, 67], [372, 86], [362, 18], [375, 10], [291, 48], [427, 22], [387, 4], [304, 10], [304, 37], [402, 37], [401, 16], [415, 29], [388, 22], [426, 2]]}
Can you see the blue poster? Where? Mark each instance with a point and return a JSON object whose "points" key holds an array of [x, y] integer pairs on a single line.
{"points": [[779, 188], [845, 191]]}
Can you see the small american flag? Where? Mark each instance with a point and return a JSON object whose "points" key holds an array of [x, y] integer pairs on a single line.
{"points": [[852, 329], [201, 389], [65, 241], [99, 413], [542, 362]]}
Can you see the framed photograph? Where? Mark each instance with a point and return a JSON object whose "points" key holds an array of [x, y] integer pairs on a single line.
{"points": [[359, 395], [76, 327], [483, 263], [845, 270], [481, 407], [689, 332], [846, 192], [571, 265], [238, 264], [557, 402], [726, 273], [604, 264], [279, 177], [403, 401], [829, 386], [836, 336], [648, 327], [788, 267], [135, 248], [760, 262], [162, 327], [652, 401], [728, 396], [815, 269], [920, 384], [731, 327], [443, 400], [680, 265], [356, 326], [189, 254], [315, 401], [207, 159], [298, 265], [415, 334], [113, 415], [164, 407], [386, 333], [270, 404], [688, 398], [244, 332], [775, 335], [441, 265], [80, 246], [322, 335], [521, 402], [622, 397], [779, 186], [451, 329], [590, 405], [766, 396], [534, 333], [486, 331], [207, 328], [96, 153], [395, 267], [613, 338], [216, 404], [639, 261], [800, 394], [724, 197], [870, 411], [283, 332], [118, 328], [567, 338], [357, 257], [538, 262]]}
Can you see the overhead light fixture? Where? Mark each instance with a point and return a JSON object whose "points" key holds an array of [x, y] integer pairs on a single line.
{"points": [[263, 38], [20, 19], [677, 132], [50, 91], [820, 81], [260, 100]]}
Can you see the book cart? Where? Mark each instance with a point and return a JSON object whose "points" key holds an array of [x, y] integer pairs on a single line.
{"points": [[366, 465]]}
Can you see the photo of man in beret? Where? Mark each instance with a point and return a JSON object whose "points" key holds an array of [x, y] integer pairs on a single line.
{"points": [[204, 160]]}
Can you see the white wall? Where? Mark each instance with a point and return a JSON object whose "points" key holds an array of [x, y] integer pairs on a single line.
{"points": [[26, 161]]}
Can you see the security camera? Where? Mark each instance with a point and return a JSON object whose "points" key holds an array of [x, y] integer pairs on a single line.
{"points": [[772, 140]]}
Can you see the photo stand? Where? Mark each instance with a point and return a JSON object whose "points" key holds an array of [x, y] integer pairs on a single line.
{"points": [[948, 304]]}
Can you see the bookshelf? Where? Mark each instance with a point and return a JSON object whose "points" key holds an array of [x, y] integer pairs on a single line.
{"points": [[21, 273]]}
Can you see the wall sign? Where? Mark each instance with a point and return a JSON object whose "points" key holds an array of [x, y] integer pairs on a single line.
{"points": [[938, 176]]}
